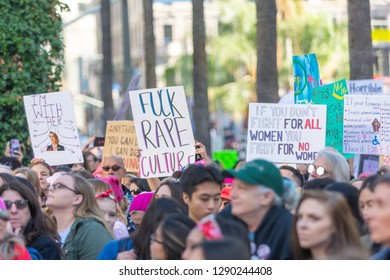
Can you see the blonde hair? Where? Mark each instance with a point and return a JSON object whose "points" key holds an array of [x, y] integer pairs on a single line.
{"points": [[100, 186], [88, 207], [32, 176]]}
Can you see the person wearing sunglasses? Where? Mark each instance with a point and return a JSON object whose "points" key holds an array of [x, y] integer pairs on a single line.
{"points": [[28, 220], [11, 246], [330, 164], [80, 224]]}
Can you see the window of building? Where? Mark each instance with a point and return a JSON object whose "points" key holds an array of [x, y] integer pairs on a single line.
{"points": [[167, 34]]}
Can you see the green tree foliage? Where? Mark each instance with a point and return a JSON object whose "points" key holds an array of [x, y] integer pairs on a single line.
{"points": [[31, 59]]}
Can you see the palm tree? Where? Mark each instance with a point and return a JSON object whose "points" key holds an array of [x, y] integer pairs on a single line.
{"points": [[149, 44], [107, 72], [267, 72], [359, 37], [201, 103]]}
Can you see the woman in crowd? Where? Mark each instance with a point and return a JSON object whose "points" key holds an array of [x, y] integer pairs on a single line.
{"points": [[224, 249], [324, 228], [330, 164], [44, 171], [139, 206], [169, 240], [83, 231], [28, 219], [32, 176], [215, 228], [11, 246], [170, 189], [138, 245], [107, 203]]}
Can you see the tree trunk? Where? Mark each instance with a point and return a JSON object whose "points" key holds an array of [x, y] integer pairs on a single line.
{"points": [[267, 72], [150, 49], [126, 47], [201, 103], [359, 38], [107, 72]]}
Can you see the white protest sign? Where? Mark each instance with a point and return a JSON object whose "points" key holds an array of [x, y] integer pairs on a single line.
{"points": [[365, 87], [285, 133], [164, 131], [367, 124], [53, 130]]}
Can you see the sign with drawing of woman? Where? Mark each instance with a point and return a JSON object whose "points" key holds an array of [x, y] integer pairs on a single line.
{"points": [[53, 129]]}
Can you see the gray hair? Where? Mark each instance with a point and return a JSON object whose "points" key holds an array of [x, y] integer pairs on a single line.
{"points": [[277, 200], [341, 171]]}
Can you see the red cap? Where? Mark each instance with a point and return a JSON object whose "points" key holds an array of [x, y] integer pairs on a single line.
{"points": [[225, 192]]}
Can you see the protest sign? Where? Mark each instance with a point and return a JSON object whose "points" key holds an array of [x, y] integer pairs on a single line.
{"points": [[367, 124], [332, 95], [52, 126], [306, 77], [284, 133], [121, 140], [228, 158], [164, 130], [365, 87]]}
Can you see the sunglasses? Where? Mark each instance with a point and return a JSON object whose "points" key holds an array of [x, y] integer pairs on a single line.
{"points": [[20, 204], [113, 168], [136, 191], [57, 186], [319, 169]]}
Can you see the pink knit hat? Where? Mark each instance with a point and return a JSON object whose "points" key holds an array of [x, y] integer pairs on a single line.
{"points": [[3, 210], [141, 201], [115, 186]]}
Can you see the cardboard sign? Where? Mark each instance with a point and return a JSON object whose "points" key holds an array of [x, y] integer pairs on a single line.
{"points": [[228, 158], [284, 133], [121, 140], [367, 124], [332, 95], [52, 126], [164, 130], [306, 77], [365, 87]]}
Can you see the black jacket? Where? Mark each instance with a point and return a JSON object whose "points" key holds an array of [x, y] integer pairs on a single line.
{"points": [[271, 240], [47, 247]]}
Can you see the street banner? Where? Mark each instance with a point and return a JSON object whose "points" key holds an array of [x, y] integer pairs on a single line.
{"points": [[52, 126], [284, 133], [164, 130], [332, 95], [367, 124], [306, 77], [365, 87], [121, 140]]}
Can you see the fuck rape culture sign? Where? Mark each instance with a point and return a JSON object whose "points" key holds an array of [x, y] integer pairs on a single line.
{"points": [[121, 140], [164, 130], [367, 124], [285, 133], [52, 126]]}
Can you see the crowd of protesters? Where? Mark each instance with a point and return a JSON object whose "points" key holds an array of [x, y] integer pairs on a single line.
{"points": [[257, 210]]}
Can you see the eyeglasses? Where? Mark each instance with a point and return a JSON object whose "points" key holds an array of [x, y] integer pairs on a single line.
{"points": [[20, 204], [153, 239], [114, 168], [62, 186], [319, 169]]}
